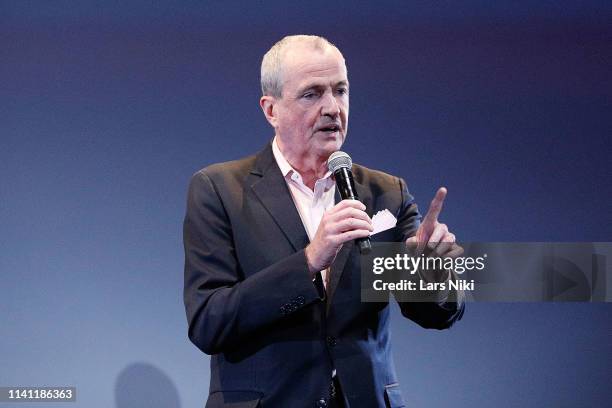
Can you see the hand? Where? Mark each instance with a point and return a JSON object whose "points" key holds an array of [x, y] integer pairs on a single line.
{"points": [[433, 237], [344, 222]]}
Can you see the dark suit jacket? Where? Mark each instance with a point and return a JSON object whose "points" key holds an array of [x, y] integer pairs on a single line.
{"points": [[273, 335]]}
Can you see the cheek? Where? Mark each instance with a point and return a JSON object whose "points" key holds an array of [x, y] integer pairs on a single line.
{"points": [[290, 122], [344, 108], [309, 120]]}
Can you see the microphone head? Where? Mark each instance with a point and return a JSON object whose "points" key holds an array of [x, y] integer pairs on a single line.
{"points": [[338, 160]]}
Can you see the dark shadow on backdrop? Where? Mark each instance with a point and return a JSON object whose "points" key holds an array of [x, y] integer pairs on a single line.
{"points": [[141, 385]]}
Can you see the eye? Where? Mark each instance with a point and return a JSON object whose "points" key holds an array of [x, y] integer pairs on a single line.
{"points": [[309, 95], [342, 91]]}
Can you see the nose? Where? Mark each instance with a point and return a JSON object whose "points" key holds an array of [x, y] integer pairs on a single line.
{"points": [[329, 105]]}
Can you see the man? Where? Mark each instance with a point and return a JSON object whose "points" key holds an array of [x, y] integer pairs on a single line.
{"points": [[272, 279]]}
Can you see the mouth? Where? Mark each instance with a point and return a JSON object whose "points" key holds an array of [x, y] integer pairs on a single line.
{"points": [[329, 129]]}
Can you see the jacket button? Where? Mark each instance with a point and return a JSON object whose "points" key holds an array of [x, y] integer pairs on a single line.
{"points": [[321, 403], [332, 341]]}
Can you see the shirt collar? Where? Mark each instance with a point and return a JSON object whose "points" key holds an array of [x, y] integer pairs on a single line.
{"points": [[283, 164]]}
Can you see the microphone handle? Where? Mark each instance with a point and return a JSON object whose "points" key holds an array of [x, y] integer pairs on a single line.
{"points": [[348, 192], [365, 246]]}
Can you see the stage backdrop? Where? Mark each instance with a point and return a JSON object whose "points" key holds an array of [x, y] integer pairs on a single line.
{"points": [[107, 110]]}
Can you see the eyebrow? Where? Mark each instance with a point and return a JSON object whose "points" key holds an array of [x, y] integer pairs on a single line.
{"points": [[318, 86]]}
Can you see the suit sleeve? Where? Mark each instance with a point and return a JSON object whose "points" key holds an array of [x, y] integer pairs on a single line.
{"points": [[223, 308], [431, 315]]}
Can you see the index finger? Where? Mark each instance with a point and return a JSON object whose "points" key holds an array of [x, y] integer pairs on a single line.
{"points": [[351, 203], [435, 207]]}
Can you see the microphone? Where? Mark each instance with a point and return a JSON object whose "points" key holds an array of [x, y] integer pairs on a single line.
{"points": [[340, 164]]}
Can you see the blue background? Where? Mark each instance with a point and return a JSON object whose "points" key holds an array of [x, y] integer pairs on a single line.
{"points": [[107, 109]]}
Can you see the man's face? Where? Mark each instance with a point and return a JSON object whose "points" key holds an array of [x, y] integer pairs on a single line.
{"points": [[312, 114]]}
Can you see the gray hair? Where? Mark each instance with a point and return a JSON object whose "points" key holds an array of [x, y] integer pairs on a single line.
{"points": [[271, 64]]}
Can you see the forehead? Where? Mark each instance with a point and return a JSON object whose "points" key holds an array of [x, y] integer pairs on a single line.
{"points": [[305, 66]]}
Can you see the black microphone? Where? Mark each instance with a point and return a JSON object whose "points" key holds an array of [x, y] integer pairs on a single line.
{"points": [[340, 164]]}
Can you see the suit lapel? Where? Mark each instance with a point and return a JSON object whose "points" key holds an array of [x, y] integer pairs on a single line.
{"points": [[271, 189]]}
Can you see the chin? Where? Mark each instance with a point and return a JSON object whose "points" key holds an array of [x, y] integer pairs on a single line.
{"points": [[325, 145], [334, 143], [330, 147]]}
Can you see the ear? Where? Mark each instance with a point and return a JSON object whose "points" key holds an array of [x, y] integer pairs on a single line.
{"points": [[268, 105]]}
